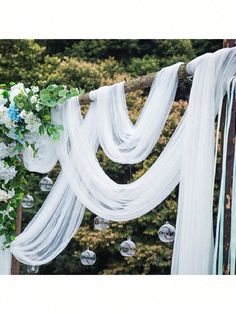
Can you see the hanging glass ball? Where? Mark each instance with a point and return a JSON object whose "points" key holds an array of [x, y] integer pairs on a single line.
{"points": [[166, 233], [88, 257], [28, 201], [101, 223], [46, 184], [127, 248], [32, 269]]}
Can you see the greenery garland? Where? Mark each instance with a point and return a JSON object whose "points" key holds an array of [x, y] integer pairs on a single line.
{"points": [[24, 116]]}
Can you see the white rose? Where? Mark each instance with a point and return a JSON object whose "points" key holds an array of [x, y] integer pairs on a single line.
{"points": [[4, 119], [3, 150], [32, 122], [7, 173], [11, 150], [16, 90], [23, 114]]}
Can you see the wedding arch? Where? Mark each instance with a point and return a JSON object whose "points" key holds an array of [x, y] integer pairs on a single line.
{"points": [[40, 128]]}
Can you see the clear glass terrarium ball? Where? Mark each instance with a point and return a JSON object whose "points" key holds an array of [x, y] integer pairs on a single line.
{"points": [[88, 257], [28, 201], [167, 233], [32, 269], [46, 184], [127, 248], [101, 223]]}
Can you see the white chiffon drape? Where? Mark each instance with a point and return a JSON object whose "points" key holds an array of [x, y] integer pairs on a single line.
{"points": [[187, 159]]}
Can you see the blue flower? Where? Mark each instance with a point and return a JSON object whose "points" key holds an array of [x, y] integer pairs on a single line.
{"points": [[13, 113]]}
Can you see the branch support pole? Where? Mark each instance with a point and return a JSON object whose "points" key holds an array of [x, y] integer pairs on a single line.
{"points": [[228, 43], [141, 82], [15, 264]]}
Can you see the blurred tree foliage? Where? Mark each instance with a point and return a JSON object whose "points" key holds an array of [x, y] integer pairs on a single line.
{"points": [[89, 64]]}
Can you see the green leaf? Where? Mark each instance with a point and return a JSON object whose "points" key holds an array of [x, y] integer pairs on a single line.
{"points": [[42, 129], [51, 103], [63, 93], [51, 87], [5, 94], [59, 127], [19, 105], [47, 117], [44, 98], [61, 100], [74, 92]]}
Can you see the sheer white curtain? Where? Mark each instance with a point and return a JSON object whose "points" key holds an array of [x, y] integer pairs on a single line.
{"points": [[187, 159]]}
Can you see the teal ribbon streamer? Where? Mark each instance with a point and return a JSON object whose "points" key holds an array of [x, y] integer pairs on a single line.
{"points": [[233, 207], [219, 241]]}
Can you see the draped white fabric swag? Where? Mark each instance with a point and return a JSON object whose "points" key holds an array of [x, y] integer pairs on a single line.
{"points": [[188, 159]]}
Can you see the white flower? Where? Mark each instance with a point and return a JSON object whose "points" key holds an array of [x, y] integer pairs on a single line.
{"points": [[33, 99], [32, 122], [35, 89], [27, 90], [7, 173], [5, 196], [3, 150], [3, 100], [12, 134], [32, 137], [16, 90], [7, 150], [23, 114], [11, 150], [37, 107], [4, 119]]}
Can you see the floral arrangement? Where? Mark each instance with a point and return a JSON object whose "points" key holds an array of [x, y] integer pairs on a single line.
{"points": [[24, 116]]}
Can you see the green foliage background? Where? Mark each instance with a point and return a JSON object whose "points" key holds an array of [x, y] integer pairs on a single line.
{"points": [[89, 64]]}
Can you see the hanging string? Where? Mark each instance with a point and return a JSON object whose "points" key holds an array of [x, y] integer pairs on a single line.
{"points": [[233, 202], [233, 221]]}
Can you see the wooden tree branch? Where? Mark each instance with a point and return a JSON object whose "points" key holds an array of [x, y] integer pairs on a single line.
{"points": [[15, 265], [140, 82]]}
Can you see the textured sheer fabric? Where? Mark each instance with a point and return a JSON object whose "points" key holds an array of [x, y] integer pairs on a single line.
{"points": [[187, 159], [121, 140]]}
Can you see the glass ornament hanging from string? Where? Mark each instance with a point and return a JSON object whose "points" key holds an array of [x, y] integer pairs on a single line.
{"points": [[166, 233], [127, 248], [32, 269], [101, 223], [88, 257], [46, 184], [28, 201]]}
